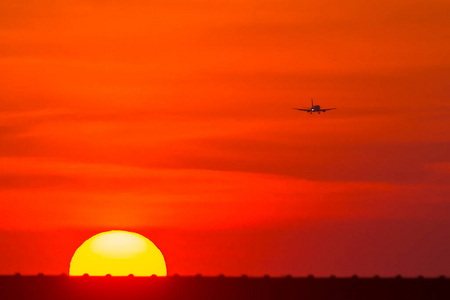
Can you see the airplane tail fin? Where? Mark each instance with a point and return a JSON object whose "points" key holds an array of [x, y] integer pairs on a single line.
{"points": [[312, 102]]}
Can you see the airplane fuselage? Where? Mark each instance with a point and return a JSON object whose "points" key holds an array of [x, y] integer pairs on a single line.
{"points": [[315, 108]]}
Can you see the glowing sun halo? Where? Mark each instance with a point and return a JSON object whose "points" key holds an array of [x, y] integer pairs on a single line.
{"points": [[118, 253]]}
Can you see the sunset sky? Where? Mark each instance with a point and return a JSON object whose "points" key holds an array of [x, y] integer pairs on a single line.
{"points": [[174, 119]]}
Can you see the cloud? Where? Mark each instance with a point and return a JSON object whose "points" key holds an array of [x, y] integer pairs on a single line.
{"points": [[83, 195]]}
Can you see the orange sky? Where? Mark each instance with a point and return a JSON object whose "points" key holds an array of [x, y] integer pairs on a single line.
{"points": [[174, 120]]}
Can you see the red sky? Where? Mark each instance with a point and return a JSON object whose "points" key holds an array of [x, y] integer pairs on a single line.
{"points": [[174, 120]]}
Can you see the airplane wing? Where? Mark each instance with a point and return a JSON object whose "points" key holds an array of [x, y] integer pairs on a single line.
{"points": [[308, 110], [325, 109]]}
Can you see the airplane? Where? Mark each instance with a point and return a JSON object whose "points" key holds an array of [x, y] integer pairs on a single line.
{"points": [[314, 108]]}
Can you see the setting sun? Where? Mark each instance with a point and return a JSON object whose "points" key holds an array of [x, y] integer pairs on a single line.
{"points": [[118, 253]]}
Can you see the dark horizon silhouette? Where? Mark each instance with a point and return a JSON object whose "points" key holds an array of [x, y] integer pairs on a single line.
{"points": [[221, 287]]}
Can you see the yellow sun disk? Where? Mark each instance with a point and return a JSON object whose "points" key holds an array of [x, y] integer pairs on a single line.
{"points": [[118, 253]]}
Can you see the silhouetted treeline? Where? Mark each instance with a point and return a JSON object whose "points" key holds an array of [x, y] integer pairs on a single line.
{"points": [[221, 288]]}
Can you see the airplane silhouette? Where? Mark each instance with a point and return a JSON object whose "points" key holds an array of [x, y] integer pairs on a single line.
{"points": [[314, 108]]}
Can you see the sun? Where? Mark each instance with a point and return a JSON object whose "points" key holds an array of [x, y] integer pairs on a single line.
{"points": [[119, 253]]}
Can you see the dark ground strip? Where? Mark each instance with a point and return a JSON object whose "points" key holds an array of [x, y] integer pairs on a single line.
{"points": [[221, 288]]}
